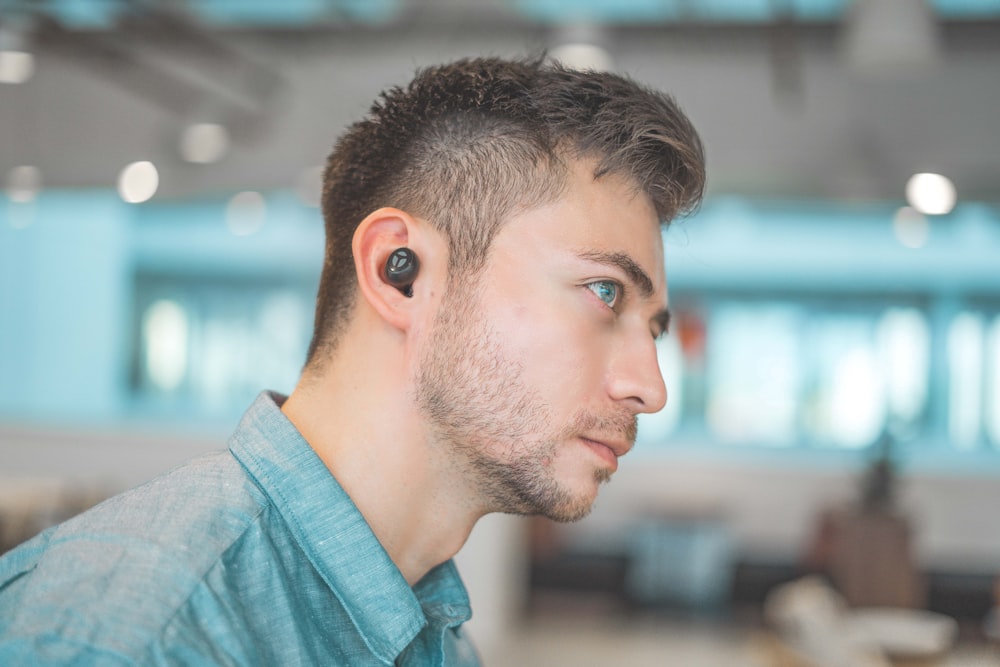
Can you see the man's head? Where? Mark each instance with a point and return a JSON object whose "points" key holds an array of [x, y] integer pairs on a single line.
{"points": [[467, 145], [533, 197], [531, 379]]}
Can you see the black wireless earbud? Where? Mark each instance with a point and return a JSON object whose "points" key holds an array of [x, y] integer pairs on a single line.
{"points": [[401, 270]]}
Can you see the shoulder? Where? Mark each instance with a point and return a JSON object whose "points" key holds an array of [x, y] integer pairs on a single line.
{"points": [[53, 651], [114, 576]]}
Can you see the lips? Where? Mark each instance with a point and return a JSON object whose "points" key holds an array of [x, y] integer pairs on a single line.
{"points": [[617, 447], [607, 451]]}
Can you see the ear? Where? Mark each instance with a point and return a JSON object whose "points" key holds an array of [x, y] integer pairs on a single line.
{"points": [[378, 235]]}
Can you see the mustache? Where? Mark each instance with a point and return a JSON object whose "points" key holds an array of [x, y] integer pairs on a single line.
{"points": [[621, 423]]}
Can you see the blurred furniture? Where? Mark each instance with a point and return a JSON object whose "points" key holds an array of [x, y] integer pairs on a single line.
{"points": [[814, 627], [562, 572], [681, 559], [30, 505], [991, 624], [868, 556]]}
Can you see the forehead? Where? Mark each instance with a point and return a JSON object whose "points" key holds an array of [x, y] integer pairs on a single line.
{"points": [[595, 217]]}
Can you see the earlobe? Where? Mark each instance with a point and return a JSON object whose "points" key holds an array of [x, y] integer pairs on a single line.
{"points": [[386, 264]]}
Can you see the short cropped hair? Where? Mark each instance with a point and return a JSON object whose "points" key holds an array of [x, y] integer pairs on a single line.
{"points": [[466, 145]]}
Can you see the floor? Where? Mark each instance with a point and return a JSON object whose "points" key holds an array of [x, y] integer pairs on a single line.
{"points": [[579, 638], [557, 642]]}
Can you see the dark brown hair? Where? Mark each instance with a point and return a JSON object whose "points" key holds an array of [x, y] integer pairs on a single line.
{"points": [[467, 144]]}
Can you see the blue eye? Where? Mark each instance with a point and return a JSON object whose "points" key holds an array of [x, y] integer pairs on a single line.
{"points": [[606, 290]]}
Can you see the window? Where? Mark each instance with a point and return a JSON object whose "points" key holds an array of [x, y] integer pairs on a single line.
{"points": [[974, 379], [992, 388], [754, 373], [210, 346], [786, 373], [965, 378]]}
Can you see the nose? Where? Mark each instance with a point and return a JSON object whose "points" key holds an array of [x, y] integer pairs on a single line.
{"points": [[635, 377]]}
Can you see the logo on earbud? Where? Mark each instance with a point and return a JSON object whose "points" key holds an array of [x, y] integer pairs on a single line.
{"points": [[401, 270]]}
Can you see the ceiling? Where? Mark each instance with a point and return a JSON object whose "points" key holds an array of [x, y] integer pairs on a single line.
{"points": [[782, 109]]}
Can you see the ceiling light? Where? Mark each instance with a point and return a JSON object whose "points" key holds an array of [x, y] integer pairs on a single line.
{"points": [[204, 143], [581, 56], [931, 194], [17, 63], [16, 66], [24, 183], [891, 37], [581, 46], [138, 182]]}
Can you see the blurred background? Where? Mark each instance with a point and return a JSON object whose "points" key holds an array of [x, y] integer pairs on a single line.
{"points": [[833, 369]]}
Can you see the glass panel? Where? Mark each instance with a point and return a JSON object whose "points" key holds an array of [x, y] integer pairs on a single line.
{"points": [[850, 402], [991, 417], [965, 381], [904, 344], [165, 345], [781, 374], [754, 374], [208, 348]]}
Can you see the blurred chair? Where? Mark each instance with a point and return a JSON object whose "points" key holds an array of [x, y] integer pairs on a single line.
{"points": [[869, 557]]}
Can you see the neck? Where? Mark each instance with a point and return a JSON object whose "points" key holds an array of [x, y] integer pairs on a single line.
{"points": [[359, 417]]}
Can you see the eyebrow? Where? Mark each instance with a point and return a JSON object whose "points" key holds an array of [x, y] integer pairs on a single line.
{"points": [[635, 273], [626, 264]]}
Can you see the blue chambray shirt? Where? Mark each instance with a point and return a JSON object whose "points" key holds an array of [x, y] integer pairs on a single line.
{"points": [[255, 556]]}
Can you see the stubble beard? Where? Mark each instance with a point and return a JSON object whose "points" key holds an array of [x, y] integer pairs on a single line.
{"points": [[474, 396]]}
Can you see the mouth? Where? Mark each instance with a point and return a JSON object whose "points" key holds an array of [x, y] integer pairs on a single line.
{"points": [[619, 445], [607, 452]]}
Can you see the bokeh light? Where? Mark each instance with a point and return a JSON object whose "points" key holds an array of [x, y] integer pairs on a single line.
{"points": [[24, 182], [138, 182], [204, 143], [246, 212], [16, 66], [931, 194], [911, 227]]}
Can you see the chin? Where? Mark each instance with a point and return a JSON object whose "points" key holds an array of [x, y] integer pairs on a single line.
{"points": [[574, 505], [568, 514]]}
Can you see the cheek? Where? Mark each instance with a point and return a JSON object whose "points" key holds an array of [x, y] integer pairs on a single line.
{"points": [[559, 345], [563, 365]]}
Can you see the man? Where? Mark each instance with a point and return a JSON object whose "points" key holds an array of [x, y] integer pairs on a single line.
{"points": [[485, 336]]}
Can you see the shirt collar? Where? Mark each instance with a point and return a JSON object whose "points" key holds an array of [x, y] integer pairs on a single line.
{"points": [[336, 538]]}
